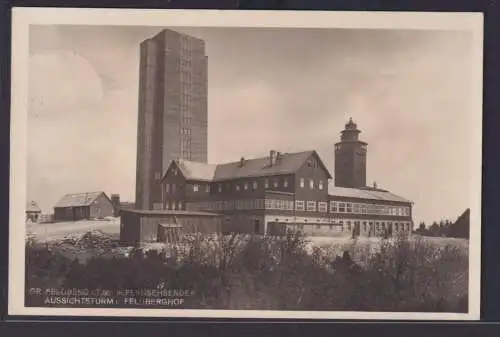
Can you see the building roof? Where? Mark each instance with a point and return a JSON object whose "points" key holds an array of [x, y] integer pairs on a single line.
{"points": [[257, 167], [360, 193], [32, 207], [196, 171], [78, 199]]}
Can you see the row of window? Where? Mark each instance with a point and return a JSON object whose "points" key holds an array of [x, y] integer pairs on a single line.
{"points": [[252, 185], [290, 205], [367, 227], [366, 208]]}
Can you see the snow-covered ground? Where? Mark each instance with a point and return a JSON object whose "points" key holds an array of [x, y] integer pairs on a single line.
{"points": [[59, 230]]}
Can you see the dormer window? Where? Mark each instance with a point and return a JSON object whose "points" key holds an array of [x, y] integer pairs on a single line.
{"points": [[311, 184], [301, 182], [320, 184]]}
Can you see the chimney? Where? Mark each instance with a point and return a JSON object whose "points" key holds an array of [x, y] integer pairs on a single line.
{"points": [[242, 162], [272, 157], [278, 157]]}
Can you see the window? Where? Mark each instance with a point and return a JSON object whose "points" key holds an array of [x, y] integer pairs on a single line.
{"points": [[275, 183], [196, 187], [174, 205], [341, 207], [311, 206], [220, 188], [237, 187], [355, 208], [396, 226], [365, 226], [331, 227], [207, 188], [311, 183], [167, 188], [301, 182], [179, 205], [322, 207], [348, 208], [245, 186], [333, 207], [349, 226], [299, 205], [255, 185], [320, 184], [266, 183], [268, 204], [173, 188], [285, 183]]}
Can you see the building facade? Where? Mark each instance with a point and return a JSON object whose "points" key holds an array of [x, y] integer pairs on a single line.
{"points": [[172, 119], [283, 191], [80, 206]]}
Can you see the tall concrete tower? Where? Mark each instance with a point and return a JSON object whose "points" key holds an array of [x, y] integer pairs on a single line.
{"points": [[172, 121], [350, 158]]}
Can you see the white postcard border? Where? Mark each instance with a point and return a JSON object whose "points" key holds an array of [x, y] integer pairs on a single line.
{"points": [[22, 18]]}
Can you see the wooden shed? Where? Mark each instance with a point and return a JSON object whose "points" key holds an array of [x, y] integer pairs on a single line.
{"points": [[80, 206], [139, 226]]}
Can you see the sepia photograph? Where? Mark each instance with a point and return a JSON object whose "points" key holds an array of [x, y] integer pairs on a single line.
{"points": [[285, 165]]}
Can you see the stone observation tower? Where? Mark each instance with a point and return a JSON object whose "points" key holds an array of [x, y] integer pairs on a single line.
{"points": [[350, 158]]}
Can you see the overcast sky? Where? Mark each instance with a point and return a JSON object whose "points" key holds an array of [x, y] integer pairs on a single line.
{"points": [[409, 92]]}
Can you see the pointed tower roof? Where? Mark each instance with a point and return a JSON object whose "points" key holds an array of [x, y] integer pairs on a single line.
{"points": [[33, 207]]}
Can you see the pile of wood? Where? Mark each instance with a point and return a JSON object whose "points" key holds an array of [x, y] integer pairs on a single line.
{"points": [[91, 239]]}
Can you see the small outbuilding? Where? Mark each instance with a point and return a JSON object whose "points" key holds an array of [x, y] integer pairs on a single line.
{"points": [[80, 206], [33, 212], [148, 226]]}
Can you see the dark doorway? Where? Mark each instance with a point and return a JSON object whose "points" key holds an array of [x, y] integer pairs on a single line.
{"points": [[256, 226]]}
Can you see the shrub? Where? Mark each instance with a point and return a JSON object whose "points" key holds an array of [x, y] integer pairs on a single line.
{"points": [[277, 273]]}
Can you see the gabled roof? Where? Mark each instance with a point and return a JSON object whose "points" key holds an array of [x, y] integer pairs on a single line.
{"points": [[78, 199], [257, 167], [369, 194], [33, 207], [288, 163], [196, 171]]}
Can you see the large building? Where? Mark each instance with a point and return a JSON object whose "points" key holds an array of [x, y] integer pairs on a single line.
{"points": [[172, 121], [289, 190]]}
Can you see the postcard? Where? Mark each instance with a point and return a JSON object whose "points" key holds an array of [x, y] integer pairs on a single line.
{"points": [[245, 164]]}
